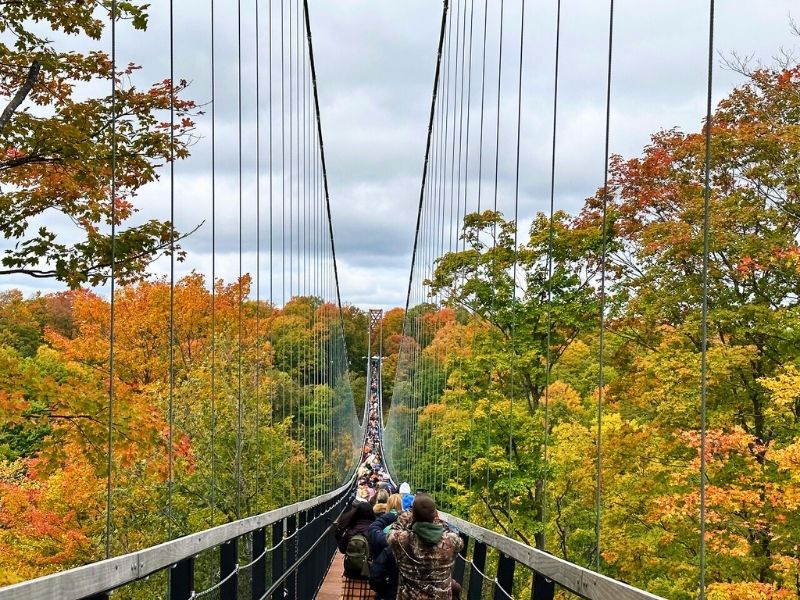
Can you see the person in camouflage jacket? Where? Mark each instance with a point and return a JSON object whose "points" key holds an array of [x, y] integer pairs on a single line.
{"points": [[425, 551]]}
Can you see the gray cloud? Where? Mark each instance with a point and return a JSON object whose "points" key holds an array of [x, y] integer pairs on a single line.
{"points": [[375, 63]]}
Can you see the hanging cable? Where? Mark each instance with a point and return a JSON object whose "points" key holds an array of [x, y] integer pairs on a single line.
{"points": [[171, 411], [258, 257], [601, 350], [291, 156], [112, 316], [213, 267], [494, 226], [550, 240], [704, 315], [514, 267], [283, 174], [238, 468]]}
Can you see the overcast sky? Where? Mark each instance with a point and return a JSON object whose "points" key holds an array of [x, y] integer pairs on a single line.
{"points": [[375, 61]]}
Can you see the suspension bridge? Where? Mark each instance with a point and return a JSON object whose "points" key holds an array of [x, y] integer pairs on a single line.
{"points": [[276, 381]]}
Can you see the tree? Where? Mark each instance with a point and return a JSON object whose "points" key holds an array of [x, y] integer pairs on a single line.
{"points": [[57, 147]]}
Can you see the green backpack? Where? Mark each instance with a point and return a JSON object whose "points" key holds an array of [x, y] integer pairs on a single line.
{"points": [[356, 558]]}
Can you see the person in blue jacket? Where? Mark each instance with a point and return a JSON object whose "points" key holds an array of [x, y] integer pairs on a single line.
{"points": [[383, 570]]}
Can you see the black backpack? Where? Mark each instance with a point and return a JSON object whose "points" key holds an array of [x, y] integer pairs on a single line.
{"points": [[356, 557]]}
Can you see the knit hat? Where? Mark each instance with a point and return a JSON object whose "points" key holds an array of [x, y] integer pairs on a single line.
{"points": [[405, 488]]}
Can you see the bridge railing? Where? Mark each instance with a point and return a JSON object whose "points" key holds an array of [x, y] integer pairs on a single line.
{"points": [[548, 572], [282, 541]]}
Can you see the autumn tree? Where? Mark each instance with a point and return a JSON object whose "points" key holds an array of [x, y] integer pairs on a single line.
{"points": [[58, 145]]}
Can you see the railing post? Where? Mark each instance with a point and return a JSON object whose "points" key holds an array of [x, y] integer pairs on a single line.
{"points": [[302, 545], [228, 557], [277, 557], [504, 585], [542, 588], [181, 580], [259, 583], [291, 556], [478, 564], [458, 571]]}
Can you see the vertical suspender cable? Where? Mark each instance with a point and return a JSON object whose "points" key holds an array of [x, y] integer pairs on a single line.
{"points": [[241, 295], [271, 167], [464, 245], [213, 268], [453, 148], [283, 176], [704, 316], [304, 382], [258, 258], [170, 458], [550, 236], [297, 134], [514, 268], [494, 207], [480, 172], [110, 439], [604, 252], [291, 156], [483, 102]]}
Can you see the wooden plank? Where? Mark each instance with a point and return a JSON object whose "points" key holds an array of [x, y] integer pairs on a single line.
{"points": [[331, 588], [105, 575], [574, 578]]}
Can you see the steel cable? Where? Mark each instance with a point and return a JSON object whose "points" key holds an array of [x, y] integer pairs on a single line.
{"points": [[603, 257], [550, 240], [704, 310], [112, 307]]}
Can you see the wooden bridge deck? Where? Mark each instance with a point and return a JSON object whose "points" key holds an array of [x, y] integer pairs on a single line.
{"points": [[332, 585]]}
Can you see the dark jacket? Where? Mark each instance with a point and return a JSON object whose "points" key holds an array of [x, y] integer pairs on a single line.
{"points": [[343, 536], [383, 570]]}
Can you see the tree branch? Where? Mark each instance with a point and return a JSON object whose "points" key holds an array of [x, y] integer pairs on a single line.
{"points": [[21, 94]]}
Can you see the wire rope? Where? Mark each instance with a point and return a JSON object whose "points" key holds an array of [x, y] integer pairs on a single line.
{"points": [[291, 159], [494, 226], [604, 251], [238, 466], [258, 257], [112, 308], [171, 401], [704, 310], [550, 240], [212, 406], [514, 267], [271, 231]]}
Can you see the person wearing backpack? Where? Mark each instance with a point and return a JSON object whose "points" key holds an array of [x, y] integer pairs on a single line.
{"points": [[351, 538]]}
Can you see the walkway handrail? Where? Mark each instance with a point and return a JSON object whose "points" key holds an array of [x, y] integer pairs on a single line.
{"points": [[105, 575], [576, 579]]}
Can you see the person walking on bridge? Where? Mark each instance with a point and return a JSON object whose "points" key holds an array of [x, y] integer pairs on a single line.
{"points": [[425, 551]]}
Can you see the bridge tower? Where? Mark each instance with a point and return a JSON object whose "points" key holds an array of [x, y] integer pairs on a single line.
{"points": [[375, 331]]}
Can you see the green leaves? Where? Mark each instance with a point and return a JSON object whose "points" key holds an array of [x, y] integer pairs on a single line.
{"points": [[57, 159]]}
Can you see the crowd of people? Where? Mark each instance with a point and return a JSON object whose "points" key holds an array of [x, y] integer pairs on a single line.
{"points": [[372, 474], [394, 544]]}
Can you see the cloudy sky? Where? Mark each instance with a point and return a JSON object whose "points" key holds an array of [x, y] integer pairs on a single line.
{"points": [[375, 62]]}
